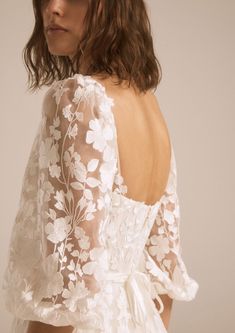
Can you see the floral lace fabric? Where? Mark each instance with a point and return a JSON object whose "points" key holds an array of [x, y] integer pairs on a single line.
{"points": [[81, 253]]}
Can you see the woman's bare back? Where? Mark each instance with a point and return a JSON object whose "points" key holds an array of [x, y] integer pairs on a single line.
{"points": [[143, 142]]}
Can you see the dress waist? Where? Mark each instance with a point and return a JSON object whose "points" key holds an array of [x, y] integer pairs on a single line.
{"points": [[138, 289]]}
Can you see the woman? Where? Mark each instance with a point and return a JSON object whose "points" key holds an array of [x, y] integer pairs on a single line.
{"points": [[95, 246]]}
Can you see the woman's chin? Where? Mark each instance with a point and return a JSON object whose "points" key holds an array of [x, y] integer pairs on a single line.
{"points": [[57, 51]]}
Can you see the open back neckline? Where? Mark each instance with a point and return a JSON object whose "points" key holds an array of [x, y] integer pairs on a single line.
{"points": [[138, 202], [119, 173]]}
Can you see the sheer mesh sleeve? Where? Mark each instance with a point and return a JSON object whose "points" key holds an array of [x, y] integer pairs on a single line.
{"points": [[76, 169], [163, 251]]}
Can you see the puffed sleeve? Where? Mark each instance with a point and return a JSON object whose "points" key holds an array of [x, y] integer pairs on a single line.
{"points": [[76, 170], [163, 251]]}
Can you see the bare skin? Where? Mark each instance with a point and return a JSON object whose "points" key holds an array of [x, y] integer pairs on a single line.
{"points": [[143, 138], [37, 327], [166, 314], [143, 141]]}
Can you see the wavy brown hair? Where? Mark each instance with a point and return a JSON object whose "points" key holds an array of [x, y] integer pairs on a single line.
{"points": [[116, 41]]}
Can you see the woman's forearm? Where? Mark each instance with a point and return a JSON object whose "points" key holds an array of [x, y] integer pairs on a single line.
{"points": [[38, 327], [166, 314]]}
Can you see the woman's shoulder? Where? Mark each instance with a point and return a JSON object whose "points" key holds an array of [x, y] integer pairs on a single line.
{"points": [[78, 83], [75, 90]]}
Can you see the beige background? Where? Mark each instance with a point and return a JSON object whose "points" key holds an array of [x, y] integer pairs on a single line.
{"points": [[195, 43]]}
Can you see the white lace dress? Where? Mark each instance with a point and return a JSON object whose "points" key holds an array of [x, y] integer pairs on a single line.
{"points": [[82, 253]]}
